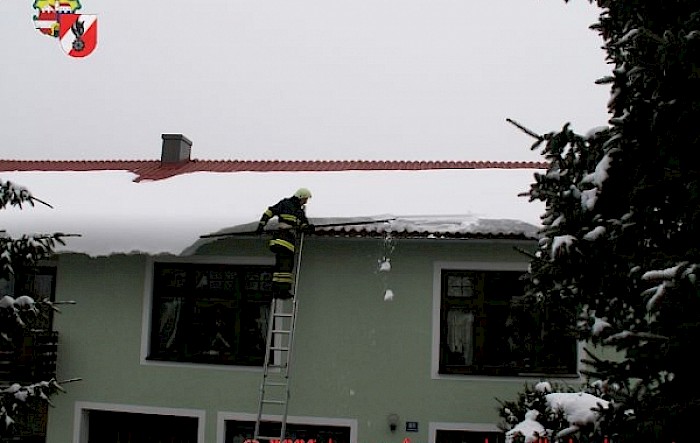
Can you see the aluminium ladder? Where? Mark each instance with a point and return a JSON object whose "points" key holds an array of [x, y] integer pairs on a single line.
{"points": [[274, 388]]}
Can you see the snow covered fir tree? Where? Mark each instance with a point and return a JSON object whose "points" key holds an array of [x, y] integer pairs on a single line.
{"points": [[619, 255], [27, 345]]}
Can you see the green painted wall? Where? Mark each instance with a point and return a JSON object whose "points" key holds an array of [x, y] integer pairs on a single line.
{"points": [[356, 356]]}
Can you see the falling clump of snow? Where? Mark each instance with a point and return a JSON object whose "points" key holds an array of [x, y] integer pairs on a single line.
{"points": [[385, 265], [388, 295]]}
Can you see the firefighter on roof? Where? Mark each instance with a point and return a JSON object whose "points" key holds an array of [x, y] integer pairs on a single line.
{"points": [[291, 219]]}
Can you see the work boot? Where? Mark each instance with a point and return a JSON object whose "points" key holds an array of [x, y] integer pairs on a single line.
{"points": [[281, 292]]}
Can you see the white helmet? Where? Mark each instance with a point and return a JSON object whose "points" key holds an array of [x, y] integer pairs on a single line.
{"points": [[302, 193]]}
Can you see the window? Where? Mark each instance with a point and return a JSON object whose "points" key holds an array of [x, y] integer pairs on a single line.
{"points": [[240, 431], [481, 333], [116, 427], [210, 313]]}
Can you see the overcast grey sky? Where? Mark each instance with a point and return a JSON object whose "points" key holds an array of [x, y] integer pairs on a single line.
{"points": [[303, 79]]}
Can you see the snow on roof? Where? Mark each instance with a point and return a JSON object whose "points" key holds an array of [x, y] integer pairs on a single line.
{"points": [[113, 214], [436, 227]]}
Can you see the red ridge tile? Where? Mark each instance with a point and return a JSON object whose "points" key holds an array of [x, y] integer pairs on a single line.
{"points": [[154, 170]]}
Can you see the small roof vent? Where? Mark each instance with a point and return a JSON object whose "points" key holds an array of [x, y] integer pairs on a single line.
{"points": [[176, 148]]}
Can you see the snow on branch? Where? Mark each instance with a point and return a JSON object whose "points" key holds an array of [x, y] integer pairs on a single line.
{"points": [[600, 174], [561, 244], [14, 195], [639, 335], [668, 278], [580, 409], [17, 308], [15, 397]]}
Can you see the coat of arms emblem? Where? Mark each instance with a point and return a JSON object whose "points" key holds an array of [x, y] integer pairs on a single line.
{"points": [[77, 33]]}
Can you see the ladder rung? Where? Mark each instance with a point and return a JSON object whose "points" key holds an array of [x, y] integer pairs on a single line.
{"points": [[282, 314], [279, 348], [284, 382], [281, 331], [274, 402]]}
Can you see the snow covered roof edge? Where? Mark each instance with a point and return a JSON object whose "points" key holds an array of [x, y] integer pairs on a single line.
{"points": [[433, 227]]}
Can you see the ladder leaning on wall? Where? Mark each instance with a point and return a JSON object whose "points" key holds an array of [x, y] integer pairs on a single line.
{"points": [[274, 393]]}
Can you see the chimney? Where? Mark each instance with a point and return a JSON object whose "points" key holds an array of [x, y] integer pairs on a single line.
{"points": [[176, 148]]}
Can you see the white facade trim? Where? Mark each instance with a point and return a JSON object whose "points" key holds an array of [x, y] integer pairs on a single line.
{"points": [[81, 418], [433, 427], [223, 417]]}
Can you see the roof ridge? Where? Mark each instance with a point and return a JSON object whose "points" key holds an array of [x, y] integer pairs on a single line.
{"points": [[156, 170], [487, 163]]}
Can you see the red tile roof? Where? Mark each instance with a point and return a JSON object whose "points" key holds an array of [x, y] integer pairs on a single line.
{"points": [[155, 170]]}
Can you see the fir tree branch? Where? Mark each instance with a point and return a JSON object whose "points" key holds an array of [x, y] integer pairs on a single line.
{"points": [[525, 130]]}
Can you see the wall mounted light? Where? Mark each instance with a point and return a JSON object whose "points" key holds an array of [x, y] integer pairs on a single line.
{"points": [[393, 420]]}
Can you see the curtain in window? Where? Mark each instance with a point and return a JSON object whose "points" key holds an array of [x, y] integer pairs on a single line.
{"points": [[169, 321], [459, 333], [263, 321]]}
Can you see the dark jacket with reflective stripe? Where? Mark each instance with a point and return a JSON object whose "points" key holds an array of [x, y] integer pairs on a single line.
{"points": [[289, 211]]}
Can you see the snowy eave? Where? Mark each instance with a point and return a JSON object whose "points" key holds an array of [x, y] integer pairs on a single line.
{"points": [[455, 226], [416, 227], [112, 214]]}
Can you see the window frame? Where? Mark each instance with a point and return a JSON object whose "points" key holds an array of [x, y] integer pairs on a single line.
{"points": [[148, 325], [82, 414], [479, 428], [224, 417], [436, 372]]}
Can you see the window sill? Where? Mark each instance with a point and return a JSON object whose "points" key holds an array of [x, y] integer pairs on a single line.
{"points": [[519, 379], [200, 365], [500, 372]]}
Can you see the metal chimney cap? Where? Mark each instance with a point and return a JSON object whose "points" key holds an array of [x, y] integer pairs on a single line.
{"points": [[177, 137]]}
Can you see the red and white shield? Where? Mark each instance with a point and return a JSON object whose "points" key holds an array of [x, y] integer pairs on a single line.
{"points": [[78, 34]]}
